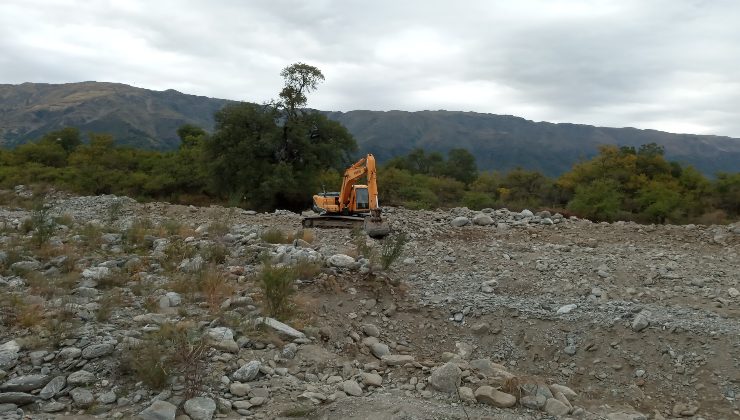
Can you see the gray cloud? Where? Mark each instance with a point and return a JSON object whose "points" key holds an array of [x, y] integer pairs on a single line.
{"points": [[668, 65]]}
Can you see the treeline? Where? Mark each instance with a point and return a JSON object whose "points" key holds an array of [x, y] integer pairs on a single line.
{"points": [[620, 183]]}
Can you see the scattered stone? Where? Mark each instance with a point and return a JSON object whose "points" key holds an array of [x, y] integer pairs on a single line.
{"points": [[19, 398], [491, 396], [733, 292], [248, 372], [397, 359], [239, 389], [554, 407], [460, 221], [25, 383], [159, 410], [372, 379], [341, 261], [9, 354], [280, 327], [533, 402], [641, 321], [53, 407], [379, 350], [684, 410], [482, 220], [351, 387], [107, 397], [446, 378], [53, 387], [566, 309], [481, 328], [82, 397], [200, 408], [97, 350], [371, 330], [81, 377], [466, 394], [569, 393], [96, 273]]}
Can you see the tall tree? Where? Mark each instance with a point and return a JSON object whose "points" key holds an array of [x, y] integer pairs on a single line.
{"points": [[275, 155]]}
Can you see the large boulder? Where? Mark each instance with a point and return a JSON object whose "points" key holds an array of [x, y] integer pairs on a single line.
{"points": [[341, 261], [9, 354], [200, 408], [248, 372], [25, 383], [446, 378], [159, 410], [460, 221], [482, 220], [491, 396]]}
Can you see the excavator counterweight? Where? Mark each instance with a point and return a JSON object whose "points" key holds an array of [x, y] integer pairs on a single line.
{"points": [[355, 205]]}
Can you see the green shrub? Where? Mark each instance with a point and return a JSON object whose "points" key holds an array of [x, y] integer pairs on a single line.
{"points": [[392, 249], [276, 284], [275, 236]]}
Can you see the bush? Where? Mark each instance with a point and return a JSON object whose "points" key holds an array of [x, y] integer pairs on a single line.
{"points": [[275, 236], [41, 224], [216, 253], [392, 249], [276, 284], [174, 350], [215, 288]]}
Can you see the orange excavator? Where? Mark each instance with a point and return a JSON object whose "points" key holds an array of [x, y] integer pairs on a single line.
{"points": [[355, 205]]}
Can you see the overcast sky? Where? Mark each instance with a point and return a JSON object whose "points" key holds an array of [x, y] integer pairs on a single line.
{"points": [[671, 65]]}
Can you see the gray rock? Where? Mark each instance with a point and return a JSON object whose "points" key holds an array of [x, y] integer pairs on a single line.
{"points": [[19, 398], [69, 353], [372, 379], [239, 389], [97, 350], [341, 261], [379, 350], [482, 220], [397, 359], [446, 378], [96, 273], [4, 408], [371, 330], [247, 372], [192, 265], [53, 387], [81, 377], [200, 408], [159, 410], [174, 299], [641, 321], [554, 407], [534, 402], [351, 387], [569, 393], [289, 351], [526, 213], [9, 354], [107, 397], [489, 395], [280, 327], [466, 394], [25, 383], [53, 407], [460, 221], [565, 309], [82, 397], [23, 266]]}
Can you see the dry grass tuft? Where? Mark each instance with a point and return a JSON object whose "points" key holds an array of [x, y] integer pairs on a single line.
{"points": [[215, 288]]}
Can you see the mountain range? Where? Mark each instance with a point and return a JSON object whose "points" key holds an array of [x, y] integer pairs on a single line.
{"points": [[149, 119]]}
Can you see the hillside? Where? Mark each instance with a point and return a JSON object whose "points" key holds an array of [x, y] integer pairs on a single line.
{"points": [[149, 119], [138, 117]]}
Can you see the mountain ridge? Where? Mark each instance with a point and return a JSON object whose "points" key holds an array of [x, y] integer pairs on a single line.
{"points": [[149, 119]]}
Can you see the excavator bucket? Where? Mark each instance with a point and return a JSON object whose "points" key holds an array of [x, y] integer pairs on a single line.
{"points": [[376, 229]]}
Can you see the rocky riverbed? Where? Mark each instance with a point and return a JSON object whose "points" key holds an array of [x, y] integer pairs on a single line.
{"points": [[119, 309]]}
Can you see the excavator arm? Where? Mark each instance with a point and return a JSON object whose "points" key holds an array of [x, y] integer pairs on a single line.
{"points": [[364, 166]]}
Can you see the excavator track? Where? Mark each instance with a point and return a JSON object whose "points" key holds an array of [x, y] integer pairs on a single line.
{"points": [[375, 230]]}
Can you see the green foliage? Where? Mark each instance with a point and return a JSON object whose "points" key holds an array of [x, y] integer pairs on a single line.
{"points": [[600, 200], [392, 249], [276, 283], [42, 225], [661, 201], [174, 350]]}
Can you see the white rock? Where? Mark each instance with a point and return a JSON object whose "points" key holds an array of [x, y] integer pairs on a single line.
{"points": [[565, 309], [280, 327], [341, 261], [96, 273]]}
